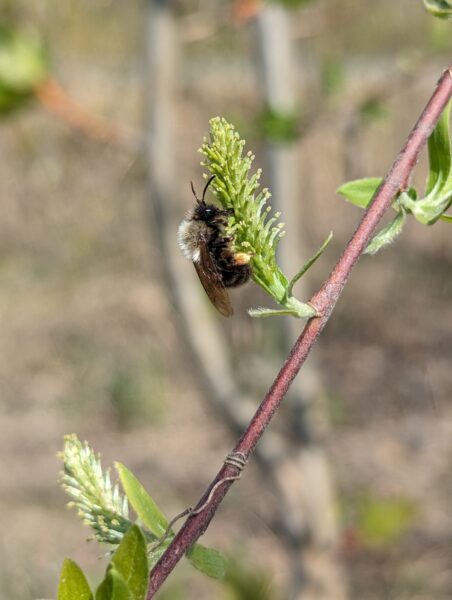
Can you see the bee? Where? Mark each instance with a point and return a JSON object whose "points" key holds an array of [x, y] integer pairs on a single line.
{"points": [[203, 240]]}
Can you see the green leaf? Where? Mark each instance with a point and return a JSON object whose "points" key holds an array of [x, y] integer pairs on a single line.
{"points": [[447, 218], [73, 584], [113, 587], [261, 312], [439, 154], [439, 8], [130, 561], [142, 503], [388, 234], [278, 126], [209, 561], [308, 264], [360, 191], [295, 308]]}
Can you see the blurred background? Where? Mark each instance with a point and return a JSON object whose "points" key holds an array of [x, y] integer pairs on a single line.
{"points": [[106, 332]]}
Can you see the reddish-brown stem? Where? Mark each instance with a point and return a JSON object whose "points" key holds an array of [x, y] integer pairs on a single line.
{"points": [[324, 301]]}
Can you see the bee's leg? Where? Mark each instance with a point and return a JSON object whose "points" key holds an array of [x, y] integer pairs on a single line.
{"points": [[221, 242]]}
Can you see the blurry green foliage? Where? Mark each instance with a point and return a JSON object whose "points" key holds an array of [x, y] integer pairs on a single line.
{"points": [[382, 521], [292, 4], [277, 126], [440, 35], [137, 393], [372, 109], [337, 410], [414, 581], [173, 590], [332, 75], [243, 583], [23, 66]]}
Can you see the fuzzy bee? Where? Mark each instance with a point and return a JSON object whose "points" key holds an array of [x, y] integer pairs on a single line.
{"points": [[203, 240]]}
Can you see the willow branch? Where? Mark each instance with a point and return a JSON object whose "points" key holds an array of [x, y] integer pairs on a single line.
{"points": [[324, 301]]}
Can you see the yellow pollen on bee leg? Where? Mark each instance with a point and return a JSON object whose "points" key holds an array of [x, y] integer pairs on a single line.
{"points": [[242, 258]]}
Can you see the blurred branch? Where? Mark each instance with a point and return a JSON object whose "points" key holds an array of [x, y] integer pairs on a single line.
{"points": [[317, 19], [324, 301], [54, 98], [309, 488], [199, 329]]}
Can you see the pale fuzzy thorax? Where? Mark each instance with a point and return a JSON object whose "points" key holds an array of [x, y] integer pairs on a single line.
{"points": [[188, 236]]}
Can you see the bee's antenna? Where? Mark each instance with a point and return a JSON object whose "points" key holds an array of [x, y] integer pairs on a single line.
{"points": [[194, 193], [206, 186], [203, 192]]}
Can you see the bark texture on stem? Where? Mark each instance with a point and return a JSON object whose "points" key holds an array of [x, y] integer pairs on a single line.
{"points": [[324, 300]]}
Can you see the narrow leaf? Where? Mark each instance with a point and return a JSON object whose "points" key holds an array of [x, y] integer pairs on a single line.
{"points": [[308, 264], [209, 561], [73, 584], [130, 561], [360, 191], [113, 587], [388, 234], [261, 312], [439, 153], [142, 503], [447, 218]]}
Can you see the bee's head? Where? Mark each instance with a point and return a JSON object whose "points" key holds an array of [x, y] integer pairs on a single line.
{"points": [[206, 212]]}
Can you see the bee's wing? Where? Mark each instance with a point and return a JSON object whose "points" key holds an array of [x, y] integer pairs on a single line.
{"points": [[211, 281]]}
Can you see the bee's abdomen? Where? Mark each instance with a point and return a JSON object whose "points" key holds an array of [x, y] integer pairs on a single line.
{"points": [[232, 274], [235, 275]]}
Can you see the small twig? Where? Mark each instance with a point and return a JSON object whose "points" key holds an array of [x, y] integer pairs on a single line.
{"points": [[324, 300]]}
